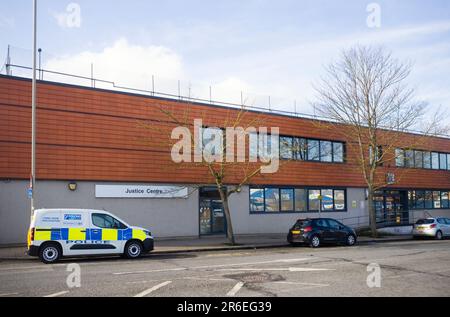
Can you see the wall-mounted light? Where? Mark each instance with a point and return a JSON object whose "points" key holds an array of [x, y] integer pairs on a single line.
{"points": [[72, 186]]}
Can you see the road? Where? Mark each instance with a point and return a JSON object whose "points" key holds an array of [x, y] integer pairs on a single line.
{"points": [[408, 268]]}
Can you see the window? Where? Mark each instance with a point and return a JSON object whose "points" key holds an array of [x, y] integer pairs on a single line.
{"points": [[426, 159], [260, 146], [321, 223], [287, 199], [307, 149], [256, 199], [339, 199], [436, 199], [333, 224], [409, 158], [421, 159], [286, 148], [420, 199], [265, 145], [107, 222], [411, 199], [253, 145], [272, 199], [418, 159], [338, 152], [435, 161], [377, 156], [313, 150], [441, 221], [326, 151], [442, 161], [327, 199], [313, 199], [399, 158], [428, 199], [300, 199], [212, 141], [444, 199], [300, 149]]}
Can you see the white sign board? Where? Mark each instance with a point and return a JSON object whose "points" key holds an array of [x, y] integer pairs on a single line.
{"points": [[140, 191]]}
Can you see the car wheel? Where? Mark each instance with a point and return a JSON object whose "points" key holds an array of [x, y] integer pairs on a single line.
{"points": [[133, 249], [50, 253], [351, 240], [439, 235], [314, 242]]}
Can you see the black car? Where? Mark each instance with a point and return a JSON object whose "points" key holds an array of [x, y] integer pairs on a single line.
{"points": [[318, 231]]}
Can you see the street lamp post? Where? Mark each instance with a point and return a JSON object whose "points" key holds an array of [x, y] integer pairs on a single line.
{"points": [[33, 112]]}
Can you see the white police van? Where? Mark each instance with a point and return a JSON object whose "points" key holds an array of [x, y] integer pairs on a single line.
{"points": [[55, 233]]}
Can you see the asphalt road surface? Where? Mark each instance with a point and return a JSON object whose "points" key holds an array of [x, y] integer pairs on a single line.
{"points": [[408, 268]]}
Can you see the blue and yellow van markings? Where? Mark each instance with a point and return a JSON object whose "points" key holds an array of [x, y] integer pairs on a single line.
{"points": [[82, 234]]}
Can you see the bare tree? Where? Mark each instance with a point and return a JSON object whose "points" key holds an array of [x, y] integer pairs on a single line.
{"points": [[231, 169], [365, 97]]}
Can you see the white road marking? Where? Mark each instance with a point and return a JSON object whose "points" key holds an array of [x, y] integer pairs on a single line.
{"points": [[207, 279], [150, 271], [252, 263], [290, 269], [8, 294], [214, 266], [300, 283], [154, 288], [235, 289], [13, 268], [57, 294]]}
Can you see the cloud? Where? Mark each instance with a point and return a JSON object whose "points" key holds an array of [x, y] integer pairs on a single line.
{"points": [[285, 73], [125, 64]]}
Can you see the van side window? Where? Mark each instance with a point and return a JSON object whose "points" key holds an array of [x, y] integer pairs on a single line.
{"points": [[107, 222]]}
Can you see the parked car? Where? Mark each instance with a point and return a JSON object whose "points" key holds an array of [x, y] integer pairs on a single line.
{"points": [[318, 231], [432, 227], [55, 233]]}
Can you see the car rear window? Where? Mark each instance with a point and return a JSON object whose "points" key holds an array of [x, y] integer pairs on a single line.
{"points": [[302, 223], [424, 221]]}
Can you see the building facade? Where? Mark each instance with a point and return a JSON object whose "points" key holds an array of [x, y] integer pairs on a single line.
{"points": [[93, 152]]}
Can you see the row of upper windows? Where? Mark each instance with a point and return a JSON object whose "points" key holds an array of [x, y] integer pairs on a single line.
{"points": [[311, 150], [302, 149], [422, 159], [285, 199], [428, 199], [293, 148]]}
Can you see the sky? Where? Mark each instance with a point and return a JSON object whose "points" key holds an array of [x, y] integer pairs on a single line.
{"points": [[261, 48]]}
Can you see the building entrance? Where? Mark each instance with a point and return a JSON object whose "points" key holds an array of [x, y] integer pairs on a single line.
{"points": [[391, 207], [212, 217]]}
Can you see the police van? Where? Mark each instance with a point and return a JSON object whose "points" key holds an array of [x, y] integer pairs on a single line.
{"points": [[55, 233]]}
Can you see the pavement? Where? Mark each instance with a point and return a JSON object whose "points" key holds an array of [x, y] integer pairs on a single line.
{"points": [[207, 243], [394, 268]]}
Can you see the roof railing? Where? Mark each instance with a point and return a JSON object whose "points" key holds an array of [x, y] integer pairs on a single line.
{"points": [[178, 97]]}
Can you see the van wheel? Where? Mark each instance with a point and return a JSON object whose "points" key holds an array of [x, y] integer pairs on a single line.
{"points": [[50, 253], [133, 249]]}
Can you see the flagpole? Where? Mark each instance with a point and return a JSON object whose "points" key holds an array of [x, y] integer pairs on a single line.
{"points": [[33, 112]]}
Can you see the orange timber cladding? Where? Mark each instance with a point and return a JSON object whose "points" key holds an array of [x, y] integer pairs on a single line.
{"points": [[94, 134]]}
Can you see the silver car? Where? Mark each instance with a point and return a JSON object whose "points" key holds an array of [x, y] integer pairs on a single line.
{"points": [[432, 227]]}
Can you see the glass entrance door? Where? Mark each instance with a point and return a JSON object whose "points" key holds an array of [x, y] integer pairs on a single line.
{"points": [[212, 217], [391, 207]]}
